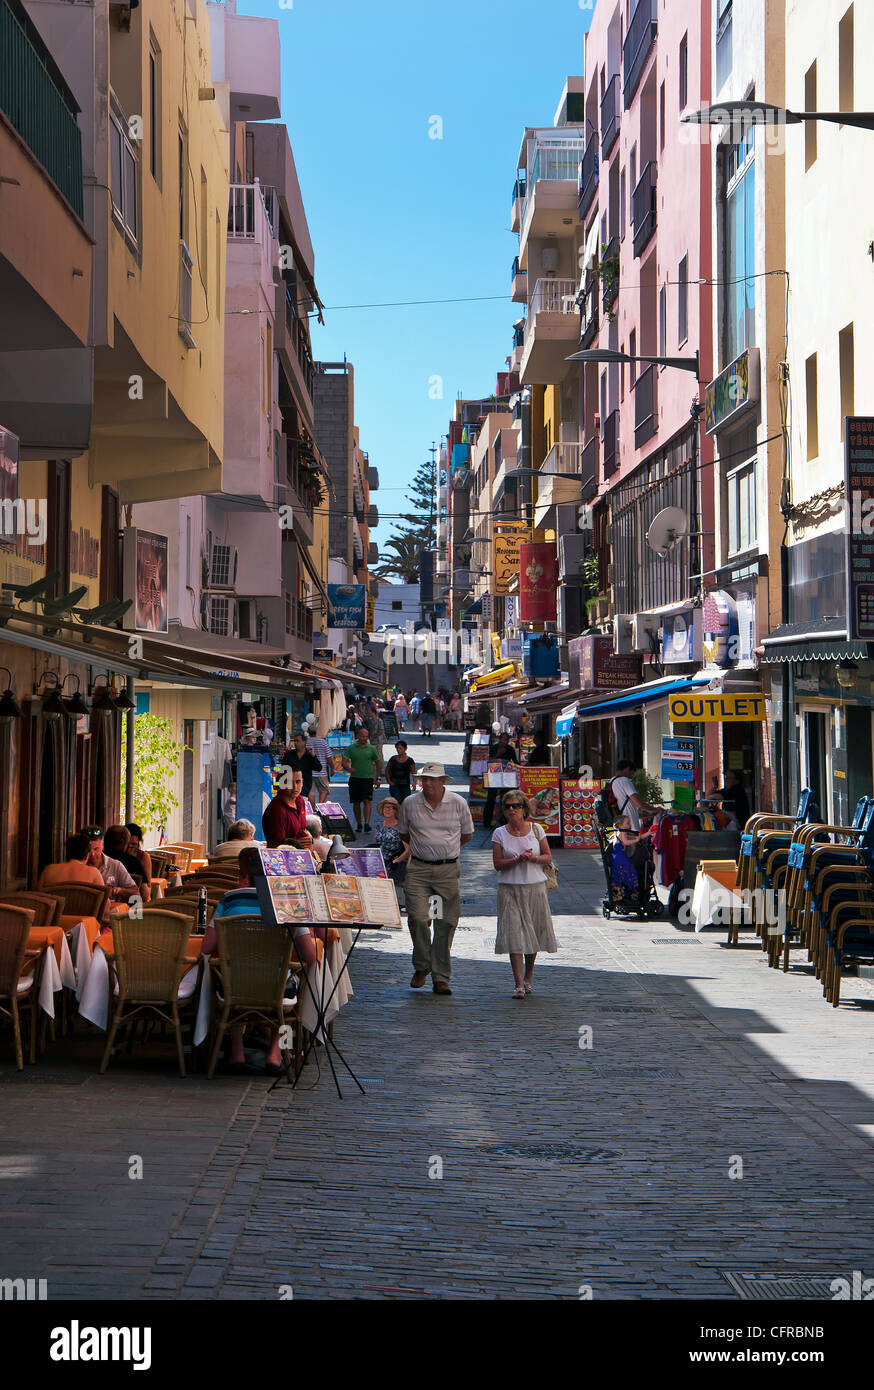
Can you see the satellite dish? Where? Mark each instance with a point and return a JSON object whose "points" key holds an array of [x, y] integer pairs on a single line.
{"points": [[667, 528]]}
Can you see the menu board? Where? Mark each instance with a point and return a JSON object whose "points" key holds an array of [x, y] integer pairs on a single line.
{"points": [[477, 799], [288, 897], [578, 814], [502, 775], [331, 810], [278, 862], [344, 899], [380, 901], [361, 863], [541, 785], [318, 898]]}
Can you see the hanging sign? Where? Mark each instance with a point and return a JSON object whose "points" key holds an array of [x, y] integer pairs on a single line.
{"points": [[717, 709]]}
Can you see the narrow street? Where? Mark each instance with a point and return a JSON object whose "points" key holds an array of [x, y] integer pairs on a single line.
{"points": [[616, 1167]]}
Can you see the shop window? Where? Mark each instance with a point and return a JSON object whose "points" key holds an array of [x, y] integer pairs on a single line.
{"points": [[741, 490]]}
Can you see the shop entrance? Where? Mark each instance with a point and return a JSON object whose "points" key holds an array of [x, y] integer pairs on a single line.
{"points": [[815, 757], [860, 754], [740, 755]]}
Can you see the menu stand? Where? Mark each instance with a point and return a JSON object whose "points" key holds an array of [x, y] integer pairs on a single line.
{"points": [[321, 1005]]}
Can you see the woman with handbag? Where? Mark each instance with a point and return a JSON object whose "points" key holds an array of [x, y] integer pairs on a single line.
{"points": [[521, 855]]}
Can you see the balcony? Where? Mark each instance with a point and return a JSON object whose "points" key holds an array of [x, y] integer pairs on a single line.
{"points": [[559, 483], [589, 469], [552, 189], [520, 188], [552, 332], [610, 445], [519, 283], [646, 407], [373, 479], [589, 315], [372, 518], [357, 542], [298, 620], [643, 208], [610, 274], [588, 177], [610, 116], [297, 483], [252, 212], [637, 47]]}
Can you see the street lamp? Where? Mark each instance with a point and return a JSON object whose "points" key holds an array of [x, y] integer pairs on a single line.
{"points": [[609, 356], [763, 112]]}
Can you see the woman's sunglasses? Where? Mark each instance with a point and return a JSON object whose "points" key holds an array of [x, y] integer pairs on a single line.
{"points": [[512, 805]]}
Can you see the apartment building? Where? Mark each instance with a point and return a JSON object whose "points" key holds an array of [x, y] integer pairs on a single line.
{"points": [[818, 657]]}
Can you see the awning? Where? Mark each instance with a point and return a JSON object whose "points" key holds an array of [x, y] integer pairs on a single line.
{"points": [[501, 692], [638, 698], [548, 698], [824, 640], [475, 609]]}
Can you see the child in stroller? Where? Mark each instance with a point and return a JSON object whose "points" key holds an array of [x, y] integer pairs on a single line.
{"points": [[628, 868]]}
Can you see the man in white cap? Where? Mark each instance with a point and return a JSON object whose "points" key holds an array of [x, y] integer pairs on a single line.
{"points": [[435, 823]]}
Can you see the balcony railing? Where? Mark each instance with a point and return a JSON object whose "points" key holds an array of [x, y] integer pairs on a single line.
{"points": [[588, 176], [638, 41], [37, 102], [562, 458], [610, 116], [244, 203], [553, 297], [186, 265], [589, 469], [299, 620], [646, 409], [610, 273], [589, 316], [610, 445], [643, 208], [297, 478], [555, 161]]}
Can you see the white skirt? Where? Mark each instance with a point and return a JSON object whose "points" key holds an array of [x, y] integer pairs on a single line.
{"points": [[524, 920]]}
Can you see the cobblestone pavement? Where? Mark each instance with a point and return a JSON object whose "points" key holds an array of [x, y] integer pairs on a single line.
{"points": [[607, 1166]]}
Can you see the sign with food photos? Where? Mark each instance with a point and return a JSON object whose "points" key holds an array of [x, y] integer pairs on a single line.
{"points": [[578, 813]]}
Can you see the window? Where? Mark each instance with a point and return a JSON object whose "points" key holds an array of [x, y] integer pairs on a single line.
{"points": [[684, 72], [622, 193], [662, 116], [847, 355], [811, 374], [204, 227], [123, 172], [739, 232], [632, 168], [154, 109], [632, 353], [397, 605], [847, 62], [810, 126], [724, 59], [183, 199], [663, 321], [741, 496], [683, 301]]}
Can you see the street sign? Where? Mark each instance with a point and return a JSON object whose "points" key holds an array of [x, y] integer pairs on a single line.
{"points": [[678, 760]]}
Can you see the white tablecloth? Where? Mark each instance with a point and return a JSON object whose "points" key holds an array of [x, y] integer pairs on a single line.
{"points": [[81, 952], [55, 977], [94, 1001], [711, 897]]}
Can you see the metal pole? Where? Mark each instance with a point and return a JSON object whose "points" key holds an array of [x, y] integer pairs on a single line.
{"points": [[129, 757]]}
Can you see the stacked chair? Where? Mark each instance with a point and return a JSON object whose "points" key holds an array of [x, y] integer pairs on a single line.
{"points": [[764, 853]]}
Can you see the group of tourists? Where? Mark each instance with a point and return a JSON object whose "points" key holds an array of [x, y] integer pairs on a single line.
{"points": [[113, 859]]}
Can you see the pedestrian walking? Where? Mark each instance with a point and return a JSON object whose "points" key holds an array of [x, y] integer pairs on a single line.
{"points": [[415, 710], [321, 789], [435, 823], [399, 772], [428, 711], [363, 763], [520, 852], [402, 711]]}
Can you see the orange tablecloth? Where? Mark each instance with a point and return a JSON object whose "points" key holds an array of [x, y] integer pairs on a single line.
{"points": [[194, 948], [69, 920], [41, 936], [119, 909]]}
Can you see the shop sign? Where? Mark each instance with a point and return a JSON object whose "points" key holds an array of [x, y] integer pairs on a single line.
{"points": [[542, 786], [678, 760], [732, 392], [538, 582], [859, 493], [593, 666], [681, 637], [144, 557], [507, 541], [717, 709], [720, 629], [347, 604]]}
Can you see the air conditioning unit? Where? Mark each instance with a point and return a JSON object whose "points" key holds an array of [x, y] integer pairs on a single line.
{"points": [[645, 632], [221, 616], [572, 552], [623, 639], [223, 567]]}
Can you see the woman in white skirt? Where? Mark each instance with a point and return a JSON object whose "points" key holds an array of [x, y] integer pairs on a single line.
{"points": [[519, 852]]}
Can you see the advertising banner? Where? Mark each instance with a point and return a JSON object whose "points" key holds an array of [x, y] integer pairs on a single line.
{"points": [[717, 709], [348, 605], [859, 511], [542, 786], [144, 558], [578, 814], [538, 582], [594, 666]]}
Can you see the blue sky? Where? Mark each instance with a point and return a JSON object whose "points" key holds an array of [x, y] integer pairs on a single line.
{"points": [[395, 215]]}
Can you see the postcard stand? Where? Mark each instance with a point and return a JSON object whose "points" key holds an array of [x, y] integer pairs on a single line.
{"points": [[321, 1003]]}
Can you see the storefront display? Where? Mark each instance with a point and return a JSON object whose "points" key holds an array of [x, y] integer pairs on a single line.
{"points": [[578, 813]]}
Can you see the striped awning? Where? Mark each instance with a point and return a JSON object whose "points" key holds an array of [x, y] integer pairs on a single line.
{"points": [[824, 640]]}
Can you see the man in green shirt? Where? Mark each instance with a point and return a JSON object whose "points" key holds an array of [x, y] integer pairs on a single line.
{"points": [[364, 765]]}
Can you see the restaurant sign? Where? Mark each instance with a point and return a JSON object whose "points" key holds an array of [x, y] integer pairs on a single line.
{"points": [[347, 604], [538, 582], [594, 666], [732, 392], [717, 709], [144, 557], [859, 511], [508, 538]]}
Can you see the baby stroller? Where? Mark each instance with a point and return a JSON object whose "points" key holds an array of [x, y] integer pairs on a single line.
{"points": [[623, 899]]}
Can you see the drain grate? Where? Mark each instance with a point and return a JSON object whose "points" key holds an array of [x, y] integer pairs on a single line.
{"points": [[660, 1073], [675, 941], [551, 1153], [768, 1287], [622, 1008]]}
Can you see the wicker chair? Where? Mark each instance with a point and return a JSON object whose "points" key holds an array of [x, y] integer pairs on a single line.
{"points": [[181, 856], [20, 971], [197, 848], [254, 959], [148, 964], [162, 860], [46, 909], [79, 898]]}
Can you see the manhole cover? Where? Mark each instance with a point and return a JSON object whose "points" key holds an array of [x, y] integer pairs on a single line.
{"points": [[760, 1287], [675, 941], [551, 1153]]}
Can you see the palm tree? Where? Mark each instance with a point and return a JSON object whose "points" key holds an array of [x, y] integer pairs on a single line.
{"points": [[402, 559]]}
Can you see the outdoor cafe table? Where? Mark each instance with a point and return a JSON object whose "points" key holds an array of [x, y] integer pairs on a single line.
{"points": [[715, 892], [57, 971]]}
